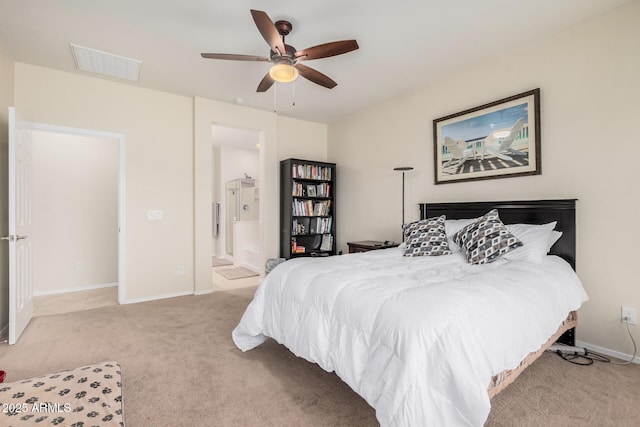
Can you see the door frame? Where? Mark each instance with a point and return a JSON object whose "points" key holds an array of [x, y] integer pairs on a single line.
{"points": [[121, 190]]}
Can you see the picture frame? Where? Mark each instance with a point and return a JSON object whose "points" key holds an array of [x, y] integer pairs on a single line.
{"points": [[311, 190], [500, 139]]}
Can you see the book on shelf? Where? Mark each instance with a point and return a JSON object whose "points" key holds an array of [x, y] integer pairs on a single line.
{"points": [[317, 242], [298, 190], [301, 171], [322, 190], [321, 208], [320, 225], [296, 248], [301, 226], [311, 190], [327, 242], [309, 208]]}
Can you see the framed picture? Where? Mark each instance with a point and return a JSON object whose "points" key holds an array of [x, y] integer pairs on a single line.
{"points": [[496, 140], [311, 190]]}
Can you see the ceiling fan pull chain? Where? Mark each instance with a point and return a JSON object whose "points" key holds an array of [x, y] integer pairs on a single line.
{"points": [[275, 98], [294, 93]]}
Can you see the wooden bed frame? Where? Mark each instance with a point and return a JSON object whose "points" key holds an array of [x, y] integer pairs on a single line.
{"points": [[523, 212]]}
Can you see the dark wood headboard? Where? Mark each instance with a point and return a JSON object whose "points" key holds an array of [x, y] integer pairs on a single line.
{"points": [[519, 212]]}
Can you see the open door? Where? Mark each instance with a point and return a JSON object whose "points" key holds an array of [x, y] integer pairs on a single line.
{"points": [[20, 250]]}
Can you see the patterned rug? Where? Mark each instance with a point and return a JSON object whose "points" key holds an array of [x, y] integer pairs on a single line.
{"points": [[89, 395], [218, 262], [236, 273]]}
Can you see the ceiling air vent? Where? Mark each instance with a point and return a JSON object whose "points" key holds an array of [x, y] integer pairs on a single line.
{"points": [[107, 64]]}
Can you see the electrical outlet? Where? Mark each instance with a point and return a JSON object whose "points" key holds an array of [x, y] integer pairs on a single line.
{"points": [[629, 313], [180, 270]]}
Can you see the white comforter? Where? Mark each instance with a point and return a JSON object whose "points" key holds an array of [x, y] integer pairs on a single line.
{"points": [[418, 338]]}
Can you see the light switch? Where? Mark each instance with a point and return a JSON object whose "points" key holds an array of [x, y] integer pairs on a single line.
{"points": [[154, 214]]}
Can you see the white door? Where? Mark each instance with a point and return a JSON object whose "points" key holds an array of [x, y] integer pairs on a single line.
{"points": [[20, 268]]}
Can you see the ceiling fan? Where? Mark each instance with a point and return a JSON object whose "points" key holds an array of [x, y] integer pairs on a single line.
{"points": [[285, 58]]}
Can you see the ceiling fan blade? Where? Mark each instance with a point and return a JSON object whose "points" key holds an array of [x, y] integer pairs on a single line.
{"points": [[327, 49], [234, 57], [265, 84], [268, 30], [315, 76]]}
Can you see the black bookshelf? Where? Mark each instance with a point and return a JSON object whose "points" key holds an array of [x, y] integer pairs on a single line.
{"points": [[307, 207]]}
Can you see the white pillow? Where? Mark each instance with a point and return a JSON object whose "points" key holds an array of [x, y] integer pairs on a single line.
{"points": [[537, 240], [553, 238]]}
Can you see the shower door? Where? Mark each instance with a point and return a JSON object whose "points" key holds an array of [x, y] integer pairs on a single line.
{"points": [[232, 207], [243, 197]]}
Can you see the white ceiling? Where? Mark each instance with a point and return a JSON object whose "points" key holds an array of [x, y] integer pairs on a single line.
{"points": [[403, 44]]}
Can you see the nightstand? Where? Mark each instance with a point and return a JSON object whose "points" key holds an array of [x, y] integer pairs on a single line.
{"points": [[369, 245]]}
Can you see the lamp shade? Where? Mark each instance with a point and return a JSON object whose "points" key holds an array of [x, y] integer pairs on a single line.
{"points": [[283, 73]]}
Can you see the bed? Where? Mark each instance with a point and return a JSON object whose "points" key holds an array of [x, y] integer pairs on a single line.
{"points": [[426, 340]]}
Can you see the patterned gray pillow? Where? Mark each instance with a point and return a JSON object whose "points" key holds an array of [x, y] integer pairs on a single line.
{"points": [[426, 237], [486, 239]]}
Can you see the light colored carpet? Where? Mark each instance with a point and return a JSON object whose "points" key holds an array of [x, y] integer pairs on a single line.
{"points": [[219, 262], [181, 368], [236, 273]]}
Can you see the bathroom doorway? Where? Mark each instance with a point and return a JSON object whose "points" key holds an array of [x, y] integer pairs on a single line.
{"points": [[236, 200]]}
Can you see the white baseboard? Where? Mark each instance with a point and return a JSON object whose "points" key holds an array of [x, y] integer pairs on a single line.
{"points": [[75, 289], [205, 292], [157, 297], [607, 351]]}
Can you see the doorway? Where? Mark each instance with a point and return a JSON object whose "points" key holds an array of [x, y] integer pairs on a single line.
{"points": [[78, 205], [236, 205]]}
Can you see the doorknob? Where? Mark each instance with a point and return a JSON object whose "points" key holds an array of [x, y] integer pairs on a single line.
{"points": [[12, 238]]}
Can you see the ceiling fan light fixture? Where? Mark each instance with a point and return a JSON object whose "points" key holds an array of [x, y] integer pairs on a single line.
{"points": [[283, 73]]}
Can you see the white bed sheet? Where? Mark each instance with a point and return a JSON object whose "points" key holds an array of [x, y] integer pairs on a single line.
{"points": [[418, 338]]}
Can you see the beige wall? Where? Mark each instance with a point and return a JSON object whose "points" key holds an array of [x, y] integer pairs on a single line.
{"points": [[588, 76], [168, 167], [75, 205], [301, 140], [158, 131], [6, 100]]}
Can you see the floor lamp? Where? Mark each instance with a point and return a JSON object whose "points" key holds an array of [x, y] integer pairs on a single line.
{"points": [[403, 169]]}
